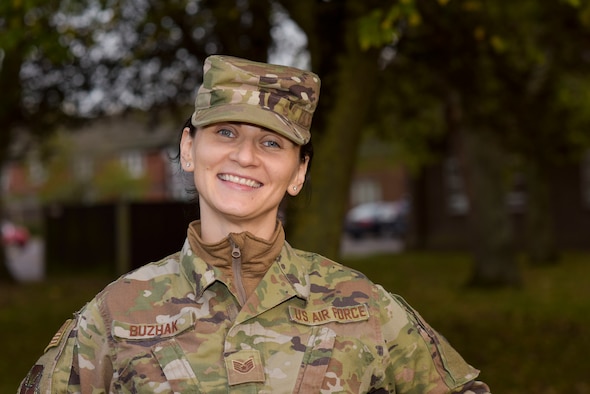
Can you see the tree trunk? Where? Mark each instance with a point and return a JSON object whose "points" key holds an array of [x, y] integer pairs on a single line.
{"points": [[491, 226], [9, 115], [541, 246], [316, 223]]}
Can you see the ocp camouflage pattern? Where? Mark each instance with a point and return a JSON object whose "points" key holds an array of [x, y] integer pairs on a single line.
{"points": [[311, 326]]}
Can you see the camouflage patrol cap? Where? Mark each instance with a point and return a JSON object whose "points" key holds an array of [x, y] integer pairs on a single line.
{"points": [[278, 98]]}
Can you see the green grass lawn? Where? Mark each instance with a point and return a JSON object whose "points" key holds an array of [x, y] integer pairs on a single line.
{"points": [[530, 340], [527, 341]]}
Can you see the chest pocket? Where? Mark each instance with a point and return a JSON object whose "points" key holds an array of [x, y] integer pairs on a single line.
{"points": [[335, 361], [149, 357], [316, 360], [175, 366], [341, 350]]}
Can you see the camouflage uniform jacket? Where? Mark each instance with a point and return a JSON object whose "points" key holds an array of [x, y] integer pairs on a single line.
{"points": [[311, 326]]}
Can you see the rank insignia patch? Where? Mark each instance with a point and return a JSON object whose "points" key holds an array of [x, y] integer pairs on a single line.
{"points": [[244, 366]]}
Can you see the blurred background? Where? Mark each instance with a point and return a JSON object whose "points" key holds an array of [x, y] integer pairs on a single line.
{"points": [[452, 159]]}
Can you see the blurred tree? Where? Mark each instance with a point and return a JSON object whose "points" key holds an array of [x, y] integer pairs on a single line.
{"points": [[147, 55], [551, 117], [27, 35], [498, 72]]}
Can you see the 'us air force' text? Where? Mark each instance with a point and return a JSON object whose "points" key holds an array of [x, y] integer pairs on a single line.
{"points": [[346, 314]]}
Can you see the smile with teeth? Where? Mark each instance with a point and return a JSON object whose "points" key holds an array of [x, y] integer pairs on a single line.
{"points": [[239, 180]]}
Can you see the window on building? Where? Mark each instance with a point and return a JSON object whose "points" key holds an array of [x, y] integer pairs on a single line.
{"points": [[365, 190], [134, 163], [5, 179], [37, 171], [83, 168]]}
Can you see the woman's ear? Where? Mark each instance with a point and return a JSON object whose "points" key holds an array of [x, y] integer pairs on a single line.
{"points": [[299, 178], [186, 150]]}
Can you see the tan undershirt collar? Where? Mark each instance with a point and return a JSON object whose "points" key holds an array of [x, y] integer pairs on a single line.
{"points": [[257, 254]]}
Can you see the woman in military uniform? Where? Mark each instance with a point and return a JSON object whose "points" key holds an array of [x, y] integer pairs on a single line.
{"points": [[238, 309]]}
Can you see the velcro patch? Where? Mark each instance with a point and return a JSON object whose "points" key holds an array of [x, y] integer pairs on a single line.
{"points": [[244, 366], [58, 336], [346, 314], [130, 331]]}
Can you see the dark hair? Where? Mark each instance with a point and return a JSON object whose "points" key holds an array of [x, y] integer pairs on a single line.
{"points": [[305, 151]]}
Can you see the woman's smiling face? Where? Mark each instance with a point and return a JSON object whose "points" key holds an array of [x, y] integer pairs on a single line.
{"points": [[241, 172]]}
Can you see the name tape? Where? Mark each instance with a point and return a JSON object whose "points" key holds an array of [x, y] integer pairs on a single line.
{"points": [[347, 314], [124, 330]]}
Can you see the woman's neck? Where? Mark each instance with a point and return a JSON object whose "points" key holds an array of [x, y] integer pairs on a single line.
{"points": [[215, 228]]}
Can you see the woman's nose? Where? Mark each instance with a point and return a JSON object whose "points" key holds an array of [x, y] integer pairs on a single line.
{"points": [[245, 153]]}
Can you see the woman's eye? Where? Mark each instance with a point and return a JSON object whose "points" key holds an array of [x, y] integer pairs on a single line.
{"points": [[272, 144], [225, 132]]}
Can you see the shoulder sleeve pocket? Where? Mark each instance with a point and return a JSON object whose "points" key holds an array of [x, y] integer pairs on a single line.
{"points": [[54, 366], [448, 362]]}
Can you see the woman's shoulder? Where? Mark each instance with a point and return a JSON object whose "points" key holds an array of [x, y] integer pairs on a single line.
{"points": [[151, 271], [169, 265], [325, 264], [152, 278], [324, 271]]}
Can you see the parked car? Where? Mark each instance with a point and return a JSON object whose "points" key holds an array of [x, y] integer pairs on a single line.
{"points": [[13, 234], [379, 218]]}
